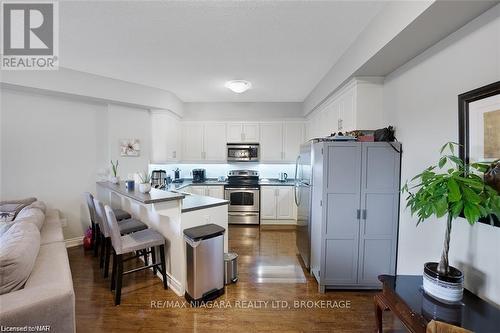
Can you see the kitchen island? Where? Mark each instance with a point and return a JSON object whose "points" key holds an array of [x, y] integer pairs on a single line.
{"points": [[169, 213]]}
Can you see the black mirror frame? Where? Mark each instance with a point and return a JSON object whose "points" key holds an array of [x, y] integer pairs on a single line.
{"points": [[463, 123]]}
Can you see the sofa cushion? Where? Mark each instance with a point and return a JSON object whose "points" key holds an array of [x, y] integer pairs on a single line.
{"points": [[31, 214], [10, 208], [19, 248]]}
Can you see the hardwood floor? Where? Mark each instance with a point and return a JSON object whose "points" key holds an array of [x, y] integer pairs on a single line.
{"points": [[269, 270]]}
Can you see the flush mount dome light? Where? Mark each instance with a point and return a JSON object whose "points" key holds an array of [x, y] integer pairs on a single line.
{"points": [[238, 86]]}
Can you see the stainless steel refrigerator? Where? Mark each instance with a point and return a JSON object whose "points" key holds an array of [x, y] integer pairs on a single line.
{"points": [[303, 197]]}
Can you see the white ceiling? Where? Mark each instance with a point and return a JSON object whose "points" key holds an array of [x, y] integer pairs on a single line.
{"points": [[191, 48]]}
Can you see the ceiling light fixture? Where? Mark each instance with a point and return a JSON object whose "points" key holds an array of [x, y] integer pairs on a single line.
{"points": [[238, 86]]}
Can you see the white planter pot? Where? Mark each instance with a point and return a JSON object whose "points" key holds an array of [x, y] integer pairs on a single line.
{"points": [[114, 180], [448, 289], [144, 187]]}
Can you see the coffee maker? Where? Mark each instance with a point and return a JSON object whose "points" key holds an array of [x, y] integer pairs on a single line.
{"points": [[198, 175], [159, 179]]}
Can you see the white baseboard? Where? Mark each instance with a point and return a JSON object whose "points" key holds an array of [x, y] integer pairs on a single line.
{"points": [[72, 242]]}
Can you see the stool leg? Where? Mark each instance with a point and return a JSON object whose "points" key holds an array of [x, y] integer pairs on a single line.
{"points": [[103, 248], [145, 255], [163, 266], [97, 240], [153, 259], [113, 272], [119, 278], [107, 254], [92, 243]]}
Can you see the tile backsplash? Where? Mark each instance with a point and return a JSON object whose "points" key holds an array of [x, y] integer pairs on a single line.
{"points": [[216, 170]]}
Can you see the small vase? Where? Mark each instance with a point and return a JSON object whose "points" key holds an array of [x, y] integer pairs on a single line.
{"points": [[446, 288], [144, 187], [114, 180]]}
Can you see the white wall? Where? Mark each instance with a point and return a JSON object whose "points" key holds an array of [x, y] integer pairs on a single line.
{"points": [[55, 148], [242, 111], [420, 99], [129, 123]]}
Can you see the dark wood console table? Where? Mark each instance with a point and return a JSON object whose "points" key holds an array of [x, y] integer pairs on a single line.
{"points": [[403, 295]]}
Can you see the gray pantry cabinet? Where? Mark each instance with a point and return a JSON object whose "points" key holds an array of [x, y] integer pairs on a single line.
{"points": [[355, 213]]}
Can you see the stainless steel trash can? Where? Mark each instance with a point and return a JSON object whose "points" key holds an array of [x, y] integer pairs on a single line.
{"points": [[204, 263], [230, 268]]}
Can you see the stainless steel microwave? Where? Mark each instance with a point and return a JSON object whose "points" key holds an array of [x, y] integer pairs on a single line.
{"points": [[243, 152]]}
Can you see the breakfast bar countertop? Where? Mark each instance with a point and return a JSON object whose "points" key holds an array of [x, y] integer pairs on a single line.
{"points": [[155, 196], [195, 202]]}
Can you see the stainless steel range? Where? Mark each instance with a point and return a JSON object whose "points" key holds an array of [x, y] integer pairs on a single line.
{"points": [[243, 192]]}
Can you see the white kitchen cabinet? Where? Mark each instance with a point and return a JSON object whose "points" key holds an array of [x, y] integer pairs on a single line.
{"points": [[277, 203], [293, 137], [280, 141], [358, 105], [204, 142], [214, 142], [165, 137], [243, 132], [215, 191], [271, 142], [192, 141], [285, 204], [198, 190], [268, 202]]}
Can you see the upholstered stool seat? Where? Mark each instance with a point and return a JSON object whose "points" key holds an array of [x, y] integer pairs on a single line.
{"points": [[130, 225], [140, 240], [121, 214]]}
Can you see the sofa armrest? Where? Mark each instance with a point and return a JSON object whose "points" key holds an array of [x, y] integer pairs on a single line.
{"points": [[51, 305]]}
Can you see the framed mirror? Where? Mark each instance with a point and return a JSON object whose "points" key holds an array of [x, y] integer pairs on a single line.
{"points": [[479, 127]]}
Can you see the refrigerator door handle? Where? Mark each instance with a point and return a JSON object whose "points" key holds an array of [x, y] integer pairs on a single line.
{"points": [[358, 214], [364, 214]]}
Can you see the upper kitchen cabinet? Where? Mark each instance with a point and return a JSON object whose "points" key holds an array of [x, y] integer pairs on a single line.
{"points": [[192, 141], [243, 132], [280, 142], [355, 106], [293, 137], [271, 142], [214, 142], [204, 142], [165, 137]]}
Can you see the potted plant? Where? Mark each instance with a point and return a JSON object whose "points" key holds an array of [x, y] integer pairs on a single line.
{"points": [[114, 168], [452, 189], [145, 184]]}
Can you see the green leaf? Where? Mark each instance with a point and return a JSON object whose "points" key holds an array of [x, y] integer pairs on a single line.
{"points": [[442, 162], [457, 208], [453, 191], [471, 196], [441, 207], [471, 213], [456, 160]]}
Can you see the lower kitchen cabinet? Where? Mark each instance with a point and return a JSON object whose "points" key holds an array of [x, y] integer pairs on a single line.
{"points": [[215, 191], [277, 204]]}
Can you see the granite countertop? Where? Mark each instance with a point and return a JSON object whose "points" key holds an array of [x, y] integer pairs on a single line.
{"points": [[214, 181], [195, 202], [276, 182], [155, 196]]}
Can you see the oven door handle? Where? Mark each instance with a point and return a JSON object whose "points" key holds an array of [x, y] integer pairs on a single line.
{"points": [[243, 214], [241, 188]]}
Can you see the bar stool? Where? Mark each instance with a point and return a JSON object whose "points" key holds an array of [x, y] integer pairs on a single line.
{"points": [[126, 227], [119, 213], [136, 241]]}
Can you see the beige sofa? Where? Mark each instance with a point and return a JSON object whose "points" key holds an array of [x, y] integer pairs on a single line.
{"points": [[48, 297]]}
